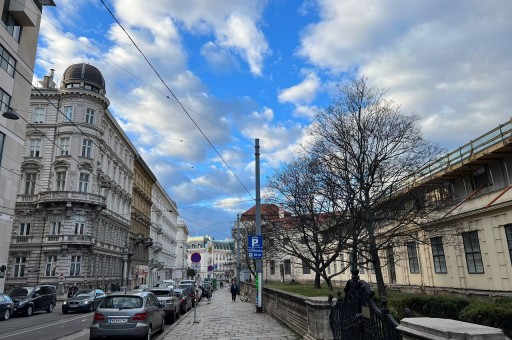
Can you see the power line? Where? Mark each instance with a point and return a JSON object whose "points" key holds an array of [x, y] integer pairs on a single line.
{"points": [[175, 98]]}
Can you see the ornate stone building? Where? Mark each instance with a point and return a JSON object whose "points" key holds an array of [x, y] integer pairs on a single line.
{"points": [[181, 251], [140, 222], [18, 43], [71, 220], [164, 229]]}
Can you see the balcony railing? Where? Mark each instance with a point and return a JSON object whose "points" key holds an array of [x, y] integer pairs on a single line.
{"points": [[25, 239], [27, 198], [71, 196], [71, 239]]}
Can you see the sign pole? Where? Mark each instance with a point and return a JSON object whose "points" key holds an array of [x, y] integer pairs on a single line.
{"points": [[259, 262]]}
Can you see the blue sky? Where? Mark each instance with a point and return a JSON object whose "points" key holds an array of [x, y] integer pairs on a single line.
{"points": [[259, 69]]}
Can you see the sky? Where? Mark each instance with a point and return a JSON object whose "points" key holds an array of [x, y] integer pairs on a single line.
{"points": [[255, 69]]}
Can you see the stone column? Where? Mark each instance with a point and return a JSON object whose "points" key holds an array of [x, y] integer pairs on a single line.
{"points": [[438, 329]]}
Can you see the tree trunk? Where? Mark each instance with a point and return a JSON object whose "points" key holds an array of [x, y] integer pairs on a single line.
{"points": [[317, 281], [381, 287]]}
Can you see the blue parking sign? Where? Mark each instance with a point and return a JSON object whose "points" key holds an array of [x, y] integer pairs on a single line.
{"points": [[255, 246]]}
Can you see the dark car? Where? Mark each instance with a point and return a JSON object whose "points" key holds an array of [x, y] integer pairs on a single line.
{"points": [[191, 288], [84, 300], [28, 300], [169, 300], [6, 307], [124, 315], [185, 299]]}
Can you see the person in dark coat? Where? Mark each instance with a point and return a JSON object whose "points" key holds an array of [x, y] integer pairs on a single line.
{"points": [[234, 291]]}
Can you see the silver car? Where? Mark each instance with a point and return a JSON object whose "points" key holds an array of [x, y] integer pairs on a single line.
{"points": [[167, 297], [131, 314]]}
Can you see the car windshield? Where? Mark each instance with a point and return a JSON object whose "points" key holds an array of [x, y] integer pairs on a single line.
{"points": [[183, 286], [122, 302], [159, 292], [21, 291], [85, 292]]}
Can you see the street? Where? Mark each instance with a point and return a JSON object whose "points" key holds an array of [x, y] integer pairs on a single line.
{"points": [[50, 326]]}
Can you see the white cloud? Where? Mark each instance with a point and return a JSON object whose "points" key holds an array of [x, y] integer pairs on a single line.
{"points": [[302, 93], [448, 61]]}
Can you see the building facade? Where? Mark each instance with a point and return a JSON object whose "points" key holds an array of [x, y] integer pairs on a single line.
{"points": [[216, 257], [71, 219], [19, 33], [140, 230], [182, 264], [164, 233]]}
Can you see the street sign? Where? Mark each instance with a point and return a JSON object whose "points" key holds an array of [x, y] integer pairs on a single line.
{"points": [[195, 257], [255, 246]]}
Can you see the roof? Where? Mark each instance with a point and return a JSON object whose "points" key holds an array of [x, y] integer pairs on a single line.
{"points": [[268, 212], [83, 73]]}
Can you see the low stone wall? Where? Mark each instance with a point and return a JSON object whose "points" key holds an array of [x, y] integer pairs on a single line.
{"points": [[309, 317]]}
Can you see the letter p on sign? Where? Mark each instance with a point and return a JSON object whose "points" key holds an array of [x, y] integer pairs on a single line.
{"points": [[254, 241]]}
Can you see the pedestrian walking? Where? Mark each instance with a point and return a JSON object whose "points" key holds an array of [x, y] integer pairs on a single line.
{"points": [[234, 291], [221, 285]]}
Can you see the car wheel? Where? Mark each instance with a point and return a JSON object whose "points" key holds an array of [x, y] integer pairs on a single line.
{"points": [[7, 314], [147, 336], [50, 308], [29, 311], [162, 326]]}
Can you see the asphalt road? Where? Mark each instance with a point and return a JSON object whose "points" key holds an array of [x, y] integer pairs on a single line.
{"points": [[45, 326], [51, 326]]}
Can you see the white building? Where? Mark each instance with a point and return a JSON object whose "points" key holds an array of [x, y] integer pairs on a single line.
{"points": [[19, 33], [164, 232], [181, 251], [72, 214], [216, 257]]}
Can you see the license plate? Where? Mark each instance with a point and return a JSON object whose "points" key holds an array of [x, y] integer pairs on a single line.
{"points": [[117, 320], [73, 306]]}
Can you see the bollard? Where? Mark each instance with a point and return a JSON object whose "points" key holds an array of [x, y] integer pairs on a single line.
{"points": [[195, 306]]}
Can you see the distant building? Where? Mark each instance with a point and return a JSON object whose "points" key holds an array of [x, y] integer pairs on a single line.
{"points": [[181, 251], [19, 33], [216, 257]]}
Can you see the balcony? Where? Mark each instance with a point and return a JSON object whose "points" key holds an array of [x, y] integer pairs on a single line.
{"points": [[71, 196], [70, 239], [157, 247], [25, 239], [26, 198]]}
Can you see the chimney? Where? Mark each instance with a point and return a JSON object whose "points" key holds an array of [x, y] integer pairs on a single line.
{"points": [[47, 81]]}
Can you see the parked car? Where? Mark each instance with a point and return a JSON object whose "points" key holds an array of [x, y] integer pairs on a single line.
{"points": [[28, 300], [171, 303], [131, 314], [166, 283], [183, 294], [6, 307], [194, 294], [84, 300], [139, 288]]}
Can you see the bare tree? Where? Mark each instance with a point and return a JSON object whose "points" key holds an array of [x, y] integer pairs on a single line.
{"points": [[317, 231], [373, 151]]}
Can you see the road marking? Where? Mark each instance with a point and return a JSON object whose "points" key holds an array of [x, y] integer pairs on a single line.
{"points": [[45, 326]]}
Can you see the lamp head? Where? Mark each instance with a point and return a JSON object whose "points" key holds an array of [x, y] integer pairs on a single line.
{"points": [[10, 114]]}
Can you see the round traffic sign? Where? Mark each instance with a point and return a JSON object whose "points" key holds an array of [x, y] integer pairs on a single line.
{"points": [[195, 257]]}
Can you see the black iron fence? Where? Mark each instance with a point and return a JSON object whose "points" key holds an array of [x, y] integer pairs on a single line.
{"points": [[356, 316]]}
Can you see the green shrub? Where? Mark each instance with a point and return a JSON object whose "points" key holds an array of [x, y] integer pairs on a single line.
{"points": [[444, 307], [497, 314]]}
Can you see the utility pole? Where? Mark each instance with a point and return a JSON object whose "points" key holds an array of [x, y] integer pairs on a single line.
{"points": [[259, 262], [238, 267]]}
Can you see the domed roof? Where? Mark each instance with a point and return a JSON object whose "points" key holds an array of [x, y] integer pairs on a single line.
{"points": [[86, 73]]}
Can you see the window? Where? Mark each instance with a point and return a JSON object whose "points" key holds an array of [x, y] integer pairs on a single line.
{"points": [[86, 148], [55, 228], [64, 145], [19, 266], [508, 231], [2, 139], [39, 113], [438, 255], [7, 61], [75, 265], [5, 100], [412, 254], [11, 25], [472, 250], [30, 183], [329, 269], [83, 184], [287, 267], [305, 268], [68, 114], [480, 178], [60, 180], [24, 229], [272, 267], [89, 116], [79, 228], [51, 265], [335, 265], [35, 147]]}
